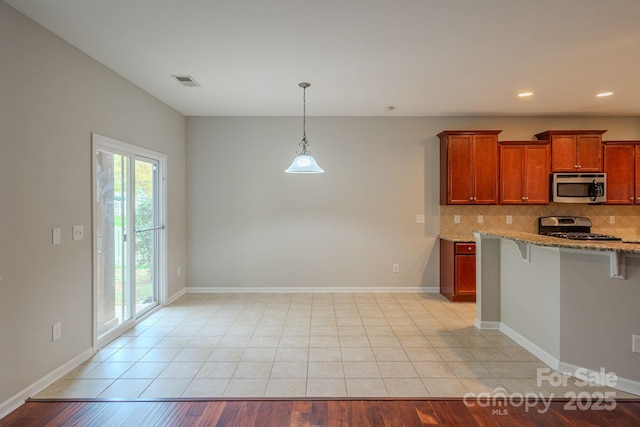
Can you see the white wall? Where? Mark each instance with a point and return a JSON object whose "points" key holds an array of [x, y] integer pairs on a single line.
{"points": [[251, 225], [52, 97]]}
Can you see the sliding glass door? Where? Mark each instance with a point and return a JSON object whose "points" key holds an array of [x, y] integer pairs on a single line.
{"points": [[147, 233], [128, 235]]}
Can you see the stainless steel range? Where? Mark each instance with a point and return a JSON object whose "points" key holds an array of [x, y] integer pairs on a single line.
{"points": [[570, 227]]}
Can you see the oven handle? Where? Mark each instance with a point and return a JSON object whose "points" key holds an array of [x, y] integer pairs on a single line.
{"points": [[593, 192]]}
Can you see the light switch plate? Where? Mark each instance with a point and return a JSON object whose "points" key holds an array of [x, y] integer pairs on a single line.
{"points": [[420, 219], [480, 219], [456, 219], [56, 331], [57, 236], [509, 219]]}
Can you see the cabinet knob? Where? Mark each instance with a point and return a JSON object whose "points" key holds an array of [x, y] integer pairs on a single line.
{"points": [[469, 248]]}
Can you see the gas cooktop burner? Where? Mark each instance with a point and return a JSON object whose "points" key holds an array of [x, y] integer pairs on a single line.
{"points": [[582, 236], [570, 227]]}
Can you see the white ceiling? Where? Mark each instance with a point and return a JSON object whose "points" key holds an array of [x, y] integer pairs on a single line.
{"points": [[426, 57]]}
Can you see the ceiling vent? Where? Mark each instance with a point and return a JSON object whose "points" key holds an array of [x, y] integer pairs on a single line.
{"points": [[186, 81]]}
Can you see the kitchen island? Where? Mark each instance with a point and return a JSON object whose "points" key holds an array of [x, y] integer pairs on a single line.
{"points": [[574, 304]]}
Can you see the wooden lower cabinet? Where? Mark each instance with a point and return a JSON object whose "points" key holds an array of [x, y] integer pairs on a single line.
{"points": [[458, 270]]}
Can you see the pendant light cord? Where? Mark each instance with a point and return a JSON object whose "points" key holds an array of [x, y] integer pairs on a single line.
{"points": [[304, 143]]}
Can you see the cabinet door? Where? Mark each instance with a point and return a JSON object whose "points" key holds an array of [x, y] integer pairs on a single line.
{"points": [[563, 153], [537, 174], [638, 175], [460, 163], [589, 153], [619, 165], [465, 280], [511, 174], [485, 169]]}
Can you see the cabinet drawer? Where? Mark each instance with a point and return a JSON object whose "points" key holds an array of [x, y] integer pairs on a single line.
{"points": [[465, 248]]}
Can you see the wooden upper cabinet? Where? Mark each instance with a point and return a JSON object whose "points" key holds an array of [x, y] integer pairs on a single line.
{"points": [[524, 172], [468, 167], [621, 162], [637, 180], [575, 150]]}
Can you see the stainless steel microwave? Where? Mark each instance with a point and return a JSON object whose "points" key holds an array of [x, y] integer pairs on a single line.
{"points": [[579, 187]]}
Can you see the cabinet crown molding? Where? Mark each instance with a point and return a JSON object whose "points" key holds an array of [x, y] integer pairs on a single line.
{"points": [[468, 132], [546, 134]]}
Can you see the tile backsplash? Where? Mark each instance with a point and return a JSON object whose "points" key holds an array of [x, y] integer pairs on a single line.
{"points": [[525, 217]]}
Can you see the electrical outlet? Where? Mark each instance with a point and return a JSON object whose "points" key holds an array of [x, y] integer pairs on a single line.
{"points": [[57, 331], [179, 271], [612, 219], [635, 342], [396, 268], [456, 219], [78, 232], [420, 219], [509, 219], [480, 219]]}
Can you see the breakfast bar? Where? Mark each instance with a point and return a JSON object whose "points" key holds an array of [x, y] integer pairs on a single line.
{"points": [[574, 304]]}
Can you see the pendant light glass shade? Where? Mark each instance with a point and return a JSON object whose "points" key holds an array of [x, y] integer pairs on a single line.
{"points": [[304, 161]]}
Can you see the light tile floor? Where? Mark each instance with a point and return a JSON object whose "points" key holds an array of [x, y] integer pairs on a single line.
{"points": [[309, 345]]}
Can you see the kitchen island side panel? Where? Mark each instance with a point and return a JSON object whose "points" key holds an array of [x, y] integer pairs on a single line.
{"points": [[599, 314], [530, 294]]}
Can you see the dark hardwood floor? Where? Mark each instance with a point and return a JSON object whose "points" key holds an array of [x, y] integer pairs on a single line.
{"points": [[277, 413]]}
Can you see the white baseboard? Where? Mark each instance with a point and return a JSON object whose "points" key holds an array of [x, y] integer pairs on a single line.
{"points": [[541, 354], [15, 401], [175, 296], [304, 289], [622, 384], [486, 325]]}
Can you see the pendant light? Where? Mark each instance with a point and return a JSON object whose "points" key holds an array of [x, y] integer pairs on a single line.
{"points": [[304, 161]]}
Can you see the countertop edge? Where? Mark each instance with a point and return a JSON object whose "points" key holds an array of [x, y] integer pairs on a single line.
{"points": [[555, 242]]}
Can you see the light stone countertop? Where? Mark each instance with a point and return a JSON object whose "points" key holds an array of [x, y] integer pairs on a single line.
{"points": [[540, 240], [457, 238]]}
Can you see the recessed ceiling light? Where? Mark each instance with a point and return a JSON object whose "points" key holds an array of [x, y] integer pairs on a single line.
{"points": [[603, 94], [525, 94]]}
